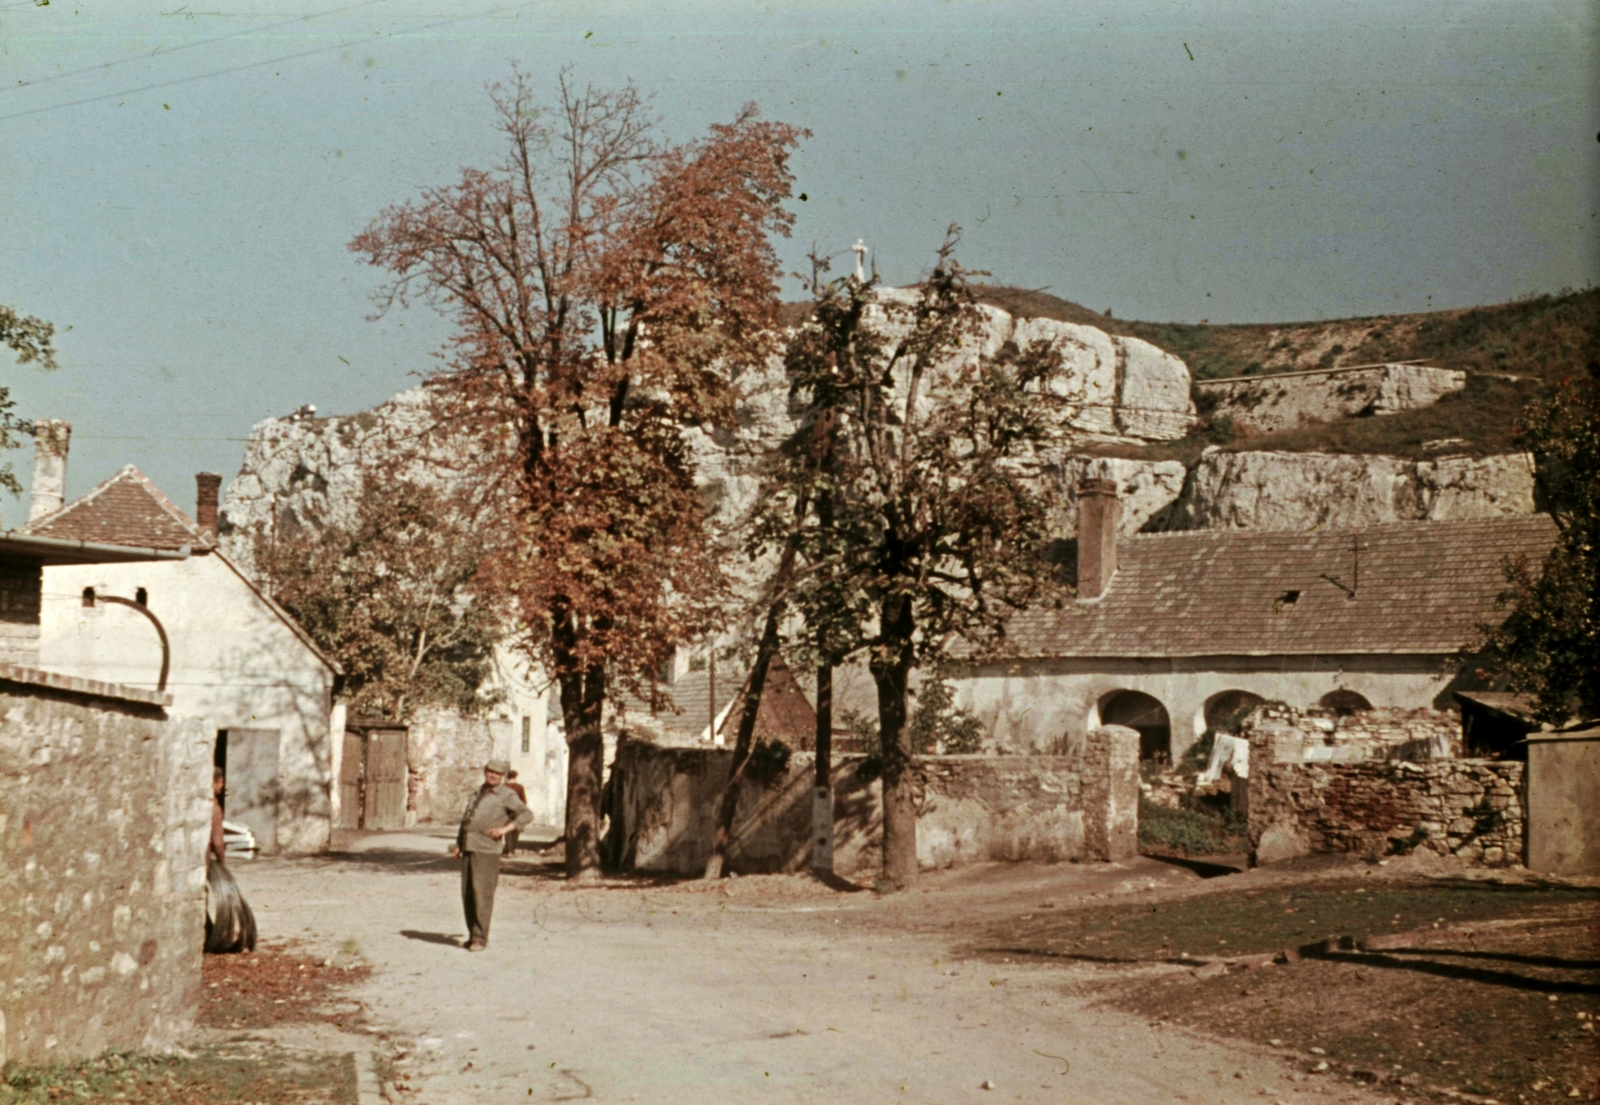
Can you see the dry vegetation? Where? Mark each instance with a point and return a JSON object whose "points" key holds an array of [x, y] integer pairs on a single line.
{"points": [[1512, 352]]}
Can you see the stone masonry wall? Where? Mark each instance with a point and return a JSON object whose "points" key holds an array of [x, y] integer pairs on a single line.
{"points": [[105, 808], [1472, 809], [1286, 734], [971, 808]]}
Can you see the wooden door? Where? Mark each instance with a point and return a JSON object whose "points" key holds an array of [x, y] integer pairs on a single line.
{"points": [[253, 788], [386, 779], [351, 762]]}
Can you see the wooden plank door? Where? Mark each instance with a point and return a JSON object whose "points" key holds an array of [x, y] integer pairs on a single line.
{"points": [[386, 779], [351, 763], [253, 785]]}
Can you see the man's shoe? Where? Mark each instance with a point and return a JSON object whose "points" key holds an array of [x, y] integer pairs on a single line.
{"points": [[475, 947]]}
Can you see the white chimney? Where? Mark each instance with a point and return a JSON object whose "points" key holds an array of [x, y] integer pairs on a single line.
{"points": [[50, 439], [1098, 511]]}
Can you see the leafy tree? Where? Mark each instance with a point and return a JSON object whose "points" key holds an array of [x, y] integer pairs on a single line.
{"points": [[1549, 644], [606, 291], [390, 597], [30, 339], [931, 532]]}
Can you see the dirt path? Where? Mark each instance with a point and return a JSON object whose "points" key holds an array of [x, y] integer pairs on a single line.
{"points": [[756, 990]]}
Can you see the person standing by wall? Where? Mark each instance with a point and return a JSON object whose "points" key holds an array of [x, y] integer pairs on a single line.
{"points": [[492, 813]]}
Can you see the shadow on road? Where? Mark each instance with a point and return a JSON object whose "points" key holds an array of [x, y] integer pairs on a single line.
{"points": [[432, 938], [1204, 868]]}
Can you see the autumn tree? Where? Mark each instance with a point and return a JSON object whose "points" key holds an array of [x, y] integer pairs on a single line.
{"points": [[1549, 644], [607, 290], [922, 527], [31, 340], [389, 595]]}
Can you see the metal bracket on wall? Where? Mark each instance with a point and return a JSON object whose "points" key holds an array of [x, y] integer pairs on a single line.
{"points": [[166, 650]]}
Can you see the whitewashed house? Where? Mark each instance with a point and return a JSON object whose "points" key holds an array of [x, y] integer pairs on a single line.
{"points": [[201, 631]]}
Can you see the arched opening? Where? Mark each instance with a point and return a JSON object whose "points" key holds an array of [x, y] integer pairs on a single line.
{"points": [[1225, 711], [1344, 703], [1143, 713]]}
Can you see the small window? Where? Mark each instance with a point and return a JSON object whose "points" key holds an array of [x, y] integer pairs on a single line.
{"points": [[141, 596], [88, 598], [527, 735]]}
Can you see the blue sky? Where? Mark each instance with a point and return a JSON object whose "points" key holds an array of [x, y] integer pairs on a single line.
{"points": [[179, 181]]}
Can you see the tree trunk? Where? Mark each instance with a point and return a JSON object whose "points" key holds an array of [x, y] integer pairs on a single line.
{"points": [[582, 698], [891, 670], [822, 800], [751, 708]]}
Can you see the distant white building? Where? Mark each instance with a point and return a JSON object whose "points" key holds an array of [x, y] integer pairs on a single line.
{"points": [[226, 652], [1174, 633]]}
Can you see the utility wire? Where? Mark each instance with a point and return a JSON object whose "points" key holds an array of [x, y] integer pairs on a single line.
{"points": [[243, 68], [158, 52]]}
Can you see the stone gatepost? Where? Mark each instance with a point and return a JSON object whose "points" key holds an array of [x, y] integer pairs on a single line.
{"points": [[1111, 794]]}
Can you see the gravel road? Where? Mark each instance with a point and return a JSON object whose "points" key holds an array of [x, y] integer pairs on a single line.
{"points": [[754, 990]]}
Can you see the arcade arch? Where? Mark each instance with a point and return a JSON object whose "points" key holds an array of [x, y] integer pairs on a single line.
{"points": [[1143, 713]]}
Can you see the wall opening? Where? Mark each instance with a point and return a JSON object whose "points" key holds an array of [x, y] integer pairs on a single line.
{"points": [[1145, 714], [1225, 711], [1344, 703]]}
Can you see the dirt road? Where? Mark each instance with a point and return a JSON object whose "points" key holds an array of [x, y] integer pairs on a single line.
{"points": [[751, 990]]}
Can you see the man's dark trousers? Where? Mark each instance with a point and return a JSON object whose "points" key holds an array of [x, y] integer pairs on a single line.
{"points": [[480, 874]]}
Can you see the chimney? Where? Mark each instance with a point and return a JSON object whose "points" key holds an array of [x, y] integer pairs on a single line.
{"points": [[1098, 511], [206, 485], [50, 439]]}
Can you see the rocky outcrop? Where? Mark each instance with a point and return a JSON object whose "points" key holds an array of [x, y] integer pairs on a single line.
{"points": [[1301, 491], [1147, 487], [1262, 404]]}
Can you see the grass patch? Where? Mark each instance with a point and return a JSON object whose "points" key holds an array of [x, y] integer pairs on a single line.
{"points": [[269, 1079], [1194, 830]]}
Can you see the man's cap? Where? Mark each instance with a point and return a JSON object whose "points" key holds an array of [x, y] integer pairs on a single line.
{"points": [[499, 767]]}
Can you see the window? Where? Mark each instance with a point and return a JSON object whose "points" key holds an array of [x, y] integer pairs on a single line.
{"points": [[527, 735], [141, 596], [88, 597]]}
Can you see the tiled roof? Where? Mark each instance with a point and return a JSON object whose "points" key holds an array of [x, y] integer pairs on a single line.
{"points": [[1419, 588], [127, 509], [786, 713]]}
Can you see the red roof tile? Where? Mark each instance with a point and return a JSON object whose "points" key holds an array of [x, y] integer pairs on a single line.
{"points": [[127, 509], [1419, 588]]}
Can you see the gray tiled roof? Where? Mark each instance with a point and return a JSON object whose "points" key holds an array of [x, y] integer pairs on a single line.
{"points": [[1420, 588]]}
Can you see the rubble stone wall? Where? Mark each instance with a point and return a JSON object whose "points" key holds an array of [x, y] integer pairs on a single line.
{"points": [[1287, 734], [971, 808], [1473, 809], [105, 810]]}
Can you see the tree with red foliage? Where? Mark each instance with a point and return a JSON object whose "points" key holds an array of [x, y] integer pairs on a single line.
{"points": [[607, 292]]}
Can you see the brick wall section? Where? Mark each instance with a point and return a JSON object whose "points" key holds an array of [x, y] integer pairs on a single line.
{"points": [[971, 809], [104, 812], [1286, 734], [1473, 809]]}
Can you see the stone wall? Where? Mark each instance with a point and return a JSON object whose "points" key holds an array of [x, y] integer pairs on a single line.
{"points": [[445, 754], [1472, 809], [1316, 735], [971, 808], [105, 808]]}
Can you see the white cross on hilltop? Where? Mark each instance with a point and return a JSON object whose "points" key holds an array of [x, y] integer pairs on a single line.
{"points": [[860, 250]]}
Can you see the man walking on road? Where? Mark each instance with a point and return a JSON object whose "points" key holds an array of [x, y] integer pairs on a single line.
{"points": [[491, 813]]}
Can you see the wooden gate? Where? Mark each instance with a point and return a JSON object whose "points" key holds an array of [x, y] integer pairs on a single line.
{"points": [[384, 806], [351, 765]]}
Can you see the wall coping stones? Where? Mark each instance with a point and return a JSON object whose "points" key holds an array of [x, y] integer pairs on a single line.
{"points": [[72, 684]]}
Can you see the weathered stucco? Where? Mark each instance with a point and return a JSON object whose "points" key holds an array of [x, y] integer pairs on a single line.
{"points": [[1563, 797], [971, 809], [104, 813], [1049, 705], [235, 665]]}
